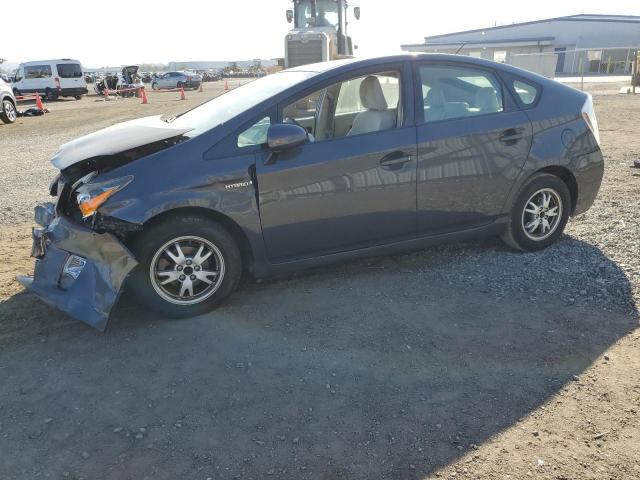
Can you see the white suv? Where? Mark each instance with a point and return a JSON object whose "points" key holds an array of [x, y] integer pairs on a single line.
{"points": [[8, 112]]}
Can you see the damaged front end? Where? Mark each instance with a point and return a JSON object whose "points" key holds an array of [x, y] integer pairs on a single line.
{"points": [[78, 270], [81, 257]]}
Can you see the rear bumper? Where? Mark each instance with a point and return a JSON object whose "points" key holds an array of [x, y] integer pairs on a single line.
{"points": [[90, 296], [72, 92], [589, 174]]}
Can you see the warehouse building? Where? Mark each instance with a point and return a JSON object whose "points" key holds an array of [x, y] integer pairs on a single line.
{"points": [[578, 44]]}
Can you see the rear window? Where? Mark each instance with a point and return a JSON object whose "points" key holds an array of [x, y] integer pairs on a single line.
{"points": [[527, 92], [69, 70]]}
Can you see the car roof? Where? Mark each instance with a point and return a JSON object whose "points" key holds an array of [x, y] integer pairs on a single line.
{"points": [[335, 66]]}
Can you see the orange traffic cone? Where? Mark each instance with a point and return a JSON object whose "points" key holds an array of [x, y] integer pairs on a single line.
{"points": [[182, 97], [226, 85], [144, 96], [39, 104]]}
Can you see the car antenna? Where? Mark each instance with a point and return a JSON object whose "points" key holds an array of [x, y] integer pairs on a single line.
{"points": [[461, 47]]}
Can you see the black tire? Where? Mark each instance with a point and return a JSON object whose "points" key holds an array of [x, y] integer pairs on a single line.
{"points": [[50, 95], [179, 85], [78, 97], [154, 86], [516, 236], [147, 246], [8, 112]]}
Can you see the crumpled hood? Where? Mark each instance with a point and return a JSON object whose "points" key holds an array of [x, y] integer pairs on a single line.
{"points": [[115, 139]]}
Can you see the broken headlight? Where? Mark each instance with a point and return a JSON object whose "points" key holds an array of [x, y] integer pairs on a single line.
{"points": [[91, 196]]}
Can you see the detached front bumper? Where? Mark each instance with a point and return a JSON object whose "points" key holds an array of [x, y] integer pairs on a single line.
{"points": [[77, 270]]}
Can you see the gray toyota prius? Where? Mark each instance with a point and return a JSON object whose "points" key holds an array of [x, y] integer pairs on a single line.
{"points": [[312, 165]]}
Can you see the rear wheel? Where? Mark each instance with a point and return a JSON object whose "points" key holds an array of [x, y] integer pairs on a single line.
{"points": [[187, 266], [8, 112], [154, 86], [78, 97], [179, 85], [539, 215], [50, 94]]}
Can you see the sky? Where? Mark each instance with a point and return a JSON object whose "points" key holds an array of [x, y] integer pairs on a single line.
{"points": [[98, 34]]}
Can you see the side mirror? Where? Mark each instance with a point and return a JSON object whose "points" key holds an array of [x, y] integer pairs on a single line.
{"points": [[289, 16], [285, 136], [356, 12]]}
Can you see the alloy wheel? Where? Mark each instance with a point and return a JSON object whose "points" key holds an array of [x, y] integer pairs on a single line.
{"points": [[10, 110], [187, 270], [542, 214]]}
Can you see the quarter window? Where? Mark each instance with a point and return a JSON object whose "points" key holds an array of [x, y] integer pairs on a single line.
{"points": [[256, 134], [527, 92], [455, 92]]}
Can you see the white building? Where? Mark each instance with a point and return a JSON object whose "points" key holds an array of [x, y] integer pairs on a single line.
{"points": [[589, 44]]}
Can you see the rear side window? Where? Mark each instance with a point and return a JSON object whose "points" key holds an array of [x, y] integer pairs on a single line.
{"points": [[527, 92], [458, 92], [69, 70], [37, 71]]}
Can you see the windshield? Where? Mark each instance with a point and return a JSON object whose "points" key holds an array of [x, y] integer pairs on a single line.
{"points": [[326, 14], [225, 107]]}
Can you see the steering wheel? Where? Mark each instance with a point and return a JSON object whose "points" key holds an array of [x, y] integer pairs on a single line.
{"points": [[293, 121]]}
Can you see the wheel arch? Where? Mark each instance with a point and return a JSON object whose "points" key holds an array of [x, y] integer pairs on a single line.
{"points": [[228, 223], [567, 177]]}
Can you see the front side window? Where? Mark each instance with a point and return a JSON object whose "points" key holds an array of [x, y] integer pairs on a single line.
{"points": [[69, 70], [37, 71], [366, 104], [458, 92]]}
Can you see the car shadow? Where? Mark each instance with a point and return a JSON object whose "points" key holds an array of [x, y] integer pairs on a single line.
{"points": [[391, 367]]}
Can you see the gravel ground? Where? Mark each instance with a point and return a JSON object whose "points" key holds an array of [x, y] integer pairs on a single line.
{"points": [[529, 368]]}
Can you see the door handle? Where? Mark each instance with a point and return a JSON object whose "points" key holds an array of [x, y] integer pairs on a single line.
{"points": [[511, 136], [395, 160]]}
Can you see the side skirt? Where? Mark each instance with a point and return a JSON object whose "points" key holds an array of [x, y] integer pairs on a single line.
{"points": [[265, 269]]}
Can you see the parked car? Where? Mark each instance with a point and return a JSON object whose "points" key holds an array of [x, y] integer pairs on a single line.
{"points": [[308, 166], [8, 112], [51, 78], [177, 80]]}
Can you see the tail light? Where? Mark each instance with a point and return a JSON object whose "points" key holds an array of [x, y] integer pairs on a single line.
{"points": [[57, 81], [589, 115]]}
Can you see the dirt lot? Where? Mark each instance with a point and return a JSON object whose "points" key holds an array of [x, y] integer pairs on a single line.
{"points": [[466, 360]]}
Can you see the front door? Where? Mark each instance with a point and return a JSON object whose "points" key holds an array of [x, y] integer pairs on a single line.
{"points": [[472, 143], [353, 184]]}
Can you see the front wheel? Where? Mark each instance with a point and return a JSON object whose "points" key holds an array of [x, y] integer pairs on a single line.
{"points": [[154, 86], [539, 215], [187, 266], [8, 112]]}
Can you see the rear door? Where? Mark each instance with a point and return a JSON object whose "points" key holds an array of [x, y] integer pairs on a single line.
{"points": [[348, 187], [473, 141], [70, 75]]}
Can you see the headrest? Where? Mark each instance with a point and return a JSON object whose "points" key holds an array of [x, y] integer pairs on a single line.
{"points": [[371, 94]]}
